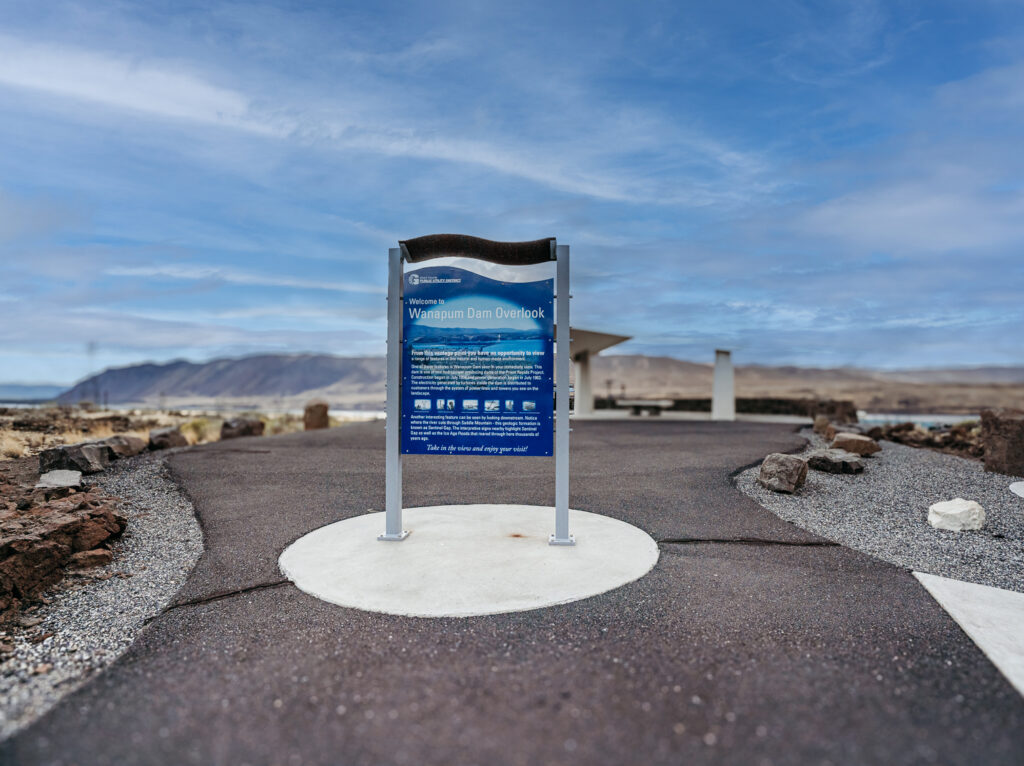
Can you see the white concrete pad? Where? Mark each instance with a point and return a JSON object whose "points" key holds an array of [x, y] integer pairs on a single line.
{"points": [[464, 560], [1017, 488], [992, 617]]}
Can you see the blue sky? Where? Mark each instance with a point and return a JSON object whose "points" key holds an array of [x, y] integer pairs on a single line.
{"points": [[809, 183]]}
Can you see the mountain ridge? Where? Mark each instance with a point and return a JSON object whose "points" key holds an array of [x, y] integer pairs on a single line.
{"points": [[358, 382]]}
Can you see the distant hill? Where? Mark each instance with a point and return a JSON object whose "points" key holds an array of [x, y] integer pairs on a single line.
{"points": [[257, 377], [288, 380], [18, 392]]}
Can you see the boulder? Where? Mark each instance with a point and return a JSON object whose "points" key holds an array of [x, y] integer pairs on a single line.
{"points": [[834, 461], [820, 424], [782, 473], [38, 541], [166, 438], [956, 515], [125, 446], [1002, 434], [236, 427], [861, 445], [315, 416], [59, 479], [88, 457], [1017, 488]]}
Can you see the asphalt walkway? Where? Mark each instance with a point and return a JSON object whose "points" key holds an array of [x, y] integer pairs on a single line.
{"points": [[750, 642]]}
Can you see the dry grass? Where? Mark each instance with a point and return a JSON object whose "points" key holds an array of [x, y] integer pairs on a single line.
{"points": [[11, 446], [15, 444], [202, 430], [281, 424], [99, 431]]}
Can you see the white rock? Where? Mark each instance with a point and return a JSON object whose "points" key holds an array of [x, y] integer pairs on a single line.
{"points": [[1017, 488], [956, 515], [56, 479]]}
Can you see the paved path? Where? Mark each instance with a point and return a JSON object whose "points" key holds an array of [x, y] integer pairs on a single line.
{"points": [[783, 650]]}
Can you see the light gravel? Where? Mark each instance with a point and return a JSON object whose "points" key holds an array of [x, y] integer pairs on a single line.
{"points": [[94, 618], [884, 512]]}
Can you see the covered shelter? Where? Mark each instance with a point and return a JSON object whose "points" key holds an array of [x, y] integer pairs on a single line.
{"points": [[584, 345]]}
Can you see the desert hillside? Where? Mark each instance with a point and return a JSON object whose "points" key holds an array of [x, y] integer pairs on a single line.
{"points": [[288, 381]]}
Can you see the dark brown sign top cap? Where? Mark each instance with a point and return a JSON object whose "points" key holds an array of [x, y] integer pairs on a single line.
{"points": [[464, 246]]}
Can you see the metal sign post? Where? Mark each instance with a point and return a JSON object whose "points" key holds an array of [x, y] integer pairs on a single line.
{"points": [[562, 331], [469, 365], [392, 425]]}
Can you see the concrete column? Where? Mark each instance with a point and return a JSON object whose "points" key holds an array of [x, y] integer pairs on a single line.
{"points": [[723, 389], [584, 403]]}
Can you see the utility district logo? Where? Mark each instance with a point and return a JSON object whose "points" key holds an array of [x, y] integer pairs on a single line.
{"points": [[415, 279]]}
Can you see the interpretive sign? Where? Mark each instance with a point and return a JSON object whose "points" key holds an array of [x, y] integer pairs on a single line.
{"points": [[477, 364], [472, 361]]}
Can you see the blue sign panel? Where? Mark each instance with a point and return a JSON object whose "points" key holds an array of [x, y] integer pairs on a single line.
{"points": [[477, 364]]}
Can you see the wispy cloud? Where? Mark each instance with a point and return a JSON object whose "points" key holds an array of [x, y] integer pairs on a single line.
{"points": [[240, 277], [181, 91], [124, 83]]}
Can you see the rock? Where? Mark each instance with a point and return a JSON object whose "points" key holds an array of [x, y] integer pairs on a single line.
{"points": [[125, 446], [315, 415], [237, 427], [1017, 488], [875, 432], [834, 461], [782, 473], [59, 479], [37, 544], [88, 457], [956, 515], [861, 445], [1002, 434], [167, 438], [837, 411], [820, 423], [87, 559]]}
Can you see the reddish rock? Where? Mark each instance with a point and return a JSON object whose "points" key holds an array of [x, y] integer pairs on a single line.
{"points": [[237, 427], [88, 559], [42, 534], [315, 416], [856, 443], [125, 446], [166, 438], [1002, 434]]}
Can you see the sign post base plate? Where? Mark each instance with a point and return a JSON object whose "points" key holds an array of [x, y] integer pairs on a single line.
{"points": [[571, 540]]}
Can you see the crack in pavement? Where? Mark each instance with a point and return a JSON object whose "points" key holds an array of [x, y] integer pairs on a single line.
{"points": [[221, 596], [746, 541]]}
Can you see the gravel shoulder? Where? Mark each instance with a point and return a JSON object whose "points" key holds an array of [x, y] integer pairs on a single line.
{"points": [[92, 619], [884, 512]]}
